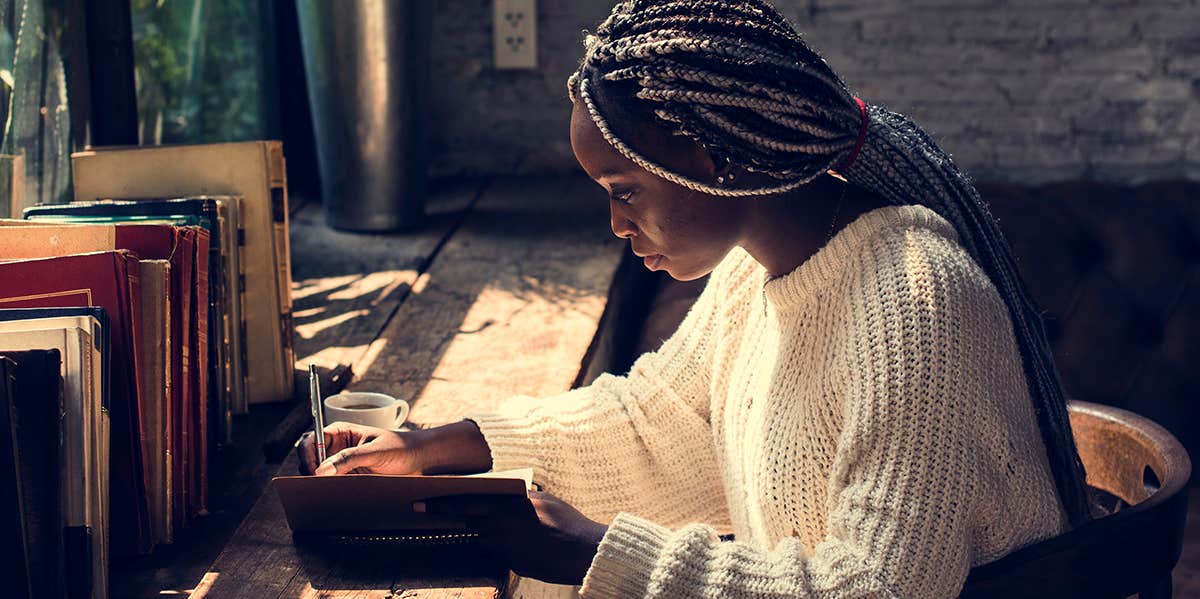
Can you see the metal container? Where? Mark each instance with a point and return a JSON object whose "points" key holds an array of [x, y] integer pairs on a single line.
{"points": [[366, 63]]}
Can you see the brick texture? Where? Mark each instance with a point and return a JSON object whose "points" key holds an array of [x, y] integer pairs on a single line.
{"points": [[1017, 90]]}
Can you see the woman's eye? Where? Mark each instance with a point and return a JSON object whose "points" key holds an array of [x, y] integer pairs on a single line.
{"points": [[622, 196]]}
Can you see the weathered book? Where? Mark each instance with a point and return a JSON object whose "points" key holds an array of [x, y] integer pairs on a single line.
{"points": [[253, 170], [156, 381], [48, 238], [208, 394], [108, 280], [13, 550], [218, 216], [84, 346], [79, 336], [35, 404]]}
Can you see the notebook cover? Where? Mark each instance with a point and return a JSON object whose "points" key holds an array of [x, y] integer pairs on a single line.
{"points": [[35, 404], [253, 170], [13, 551], [361, 504], [108, 280]]}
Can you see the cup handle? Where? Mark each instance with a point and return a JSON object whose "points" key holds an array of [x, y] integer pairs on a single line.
{"points": [[401, 413]]}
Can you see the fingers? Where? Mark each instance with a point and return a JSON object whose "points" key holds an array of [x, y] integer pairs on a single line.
{"points": [[307, 452], [347, 461], [338, 438]]}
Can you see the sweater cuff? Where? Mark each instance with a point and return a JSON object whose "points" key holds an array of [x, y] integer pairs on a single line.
{"points": [[625, 558], [511, 441]]}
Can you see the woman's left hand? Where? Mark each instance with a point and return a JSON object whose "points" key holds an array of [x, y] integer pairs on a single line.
{"points": [[542, 537]]}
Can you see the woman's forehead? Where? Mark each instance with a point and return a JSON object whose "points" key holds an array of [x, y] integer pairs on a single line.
{"points": [[593, 152]]}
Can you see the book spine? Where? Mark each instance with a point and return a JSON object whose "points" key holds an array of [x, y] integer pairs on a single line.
{"points": [[222, 353], [277, 171], [243, 399], [168, 411], [185, 260], [132, 302], [199, 445]]}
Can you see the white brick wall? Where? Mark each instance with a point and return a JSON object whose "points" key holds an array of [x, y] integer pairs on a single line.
{"points": [[1018, 90]]}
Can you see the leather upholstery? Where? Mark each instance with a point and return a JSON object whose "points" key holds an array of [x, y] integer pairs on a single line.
{"points": [[1117, 271]]}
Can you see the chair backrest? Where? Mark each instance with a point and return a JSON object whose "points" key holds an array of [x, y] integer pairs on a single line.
{"points": [[1119, 554]]}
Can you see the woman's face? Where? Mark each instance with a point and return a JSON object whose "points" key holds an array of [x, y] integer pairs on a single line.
{"points": [[675, 229]]}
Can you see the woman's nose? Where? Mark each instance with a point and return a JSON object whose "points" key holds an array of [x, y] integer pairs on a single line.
{"points": [[622, 227]]}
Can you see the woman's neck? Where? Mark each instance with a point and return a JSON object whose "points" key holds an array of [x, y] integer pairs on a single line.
{"points": [[784, 230]]}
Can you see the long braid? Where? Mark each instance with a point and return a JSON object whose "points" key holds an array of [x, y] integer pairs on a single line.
{"points": [[736, 78]]}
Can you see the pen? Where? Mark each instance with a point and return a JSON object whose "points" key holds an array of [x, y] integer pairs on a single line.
{"points": [[314, 392]]}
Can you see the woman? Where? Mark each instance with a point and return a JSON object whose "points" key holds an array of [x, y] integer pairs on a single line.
{"points": [[862, 395]]}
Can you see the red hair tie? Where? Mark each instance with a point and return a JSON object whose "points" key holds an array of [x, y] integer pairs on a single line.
{"points": [[862, 135]]}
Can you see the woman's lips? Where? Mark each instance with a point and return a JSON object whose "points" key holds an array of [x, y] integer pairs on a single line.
{"points": [[653, 261]]}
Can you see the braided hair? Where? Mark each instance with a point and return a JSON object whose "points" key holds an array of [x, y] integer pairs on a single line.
{"points": [[736, 78]]}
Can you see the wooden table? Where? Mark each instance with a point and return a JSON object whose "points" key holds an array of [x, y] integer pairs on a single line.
{"points": [[500, 294]]}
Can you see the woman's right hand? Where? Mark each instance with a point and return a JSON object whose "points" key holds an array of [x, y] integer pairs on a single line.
{"points": [[354, 448], [362, 450]]}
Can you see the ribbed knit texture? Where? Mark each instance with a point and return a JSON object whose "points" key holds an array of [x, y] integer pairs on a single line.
{"points": [[861, 424]]}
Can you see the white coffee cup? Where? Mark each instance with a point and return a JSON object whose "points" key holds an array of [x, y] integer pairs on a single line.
{"points": [[350, 406]]}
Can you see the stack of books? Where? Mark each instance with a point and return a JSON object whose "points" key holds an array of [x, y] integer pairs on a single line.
{"points": [[135, 323]]}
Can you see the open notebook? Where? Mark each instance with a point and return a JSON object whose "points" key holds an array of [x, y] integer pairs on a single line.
{"points": [[366, 508]]}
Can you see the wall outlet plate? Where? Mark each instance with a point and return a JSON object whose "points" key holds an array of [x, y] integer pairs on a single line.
{"points": [[514, 34]]}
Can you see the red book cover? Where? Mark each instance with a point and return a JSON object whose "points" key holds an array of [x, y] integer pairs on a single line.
{"points": [[198, 497], [176, 244], [108, 280]]}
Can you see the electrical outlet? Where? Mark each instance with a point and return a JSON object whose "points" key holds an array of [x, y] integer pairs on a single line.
{"points": [[514, 33]]}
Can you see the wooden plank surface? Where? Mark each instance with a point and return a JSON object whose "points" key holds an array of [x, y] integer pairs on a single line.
{"points": [[346, 285], [509, 306]]}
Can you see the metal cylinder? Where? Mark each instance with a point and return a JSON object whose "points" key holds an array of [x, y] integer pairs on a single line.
{"points": [[366, 62]]}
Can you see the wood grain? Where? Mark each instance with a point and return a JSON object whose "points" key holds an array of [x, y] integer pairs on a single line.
{"points": [[509, 305], [346, 285]]}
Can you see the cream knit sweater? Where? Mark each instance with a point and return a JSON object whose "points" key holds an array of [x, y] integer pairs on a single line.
{"points": [[861, 425]]}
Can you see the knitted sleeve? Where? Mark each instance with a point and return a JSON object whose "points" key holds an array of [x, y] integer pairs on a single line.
{"points": [[640, 441], [922, 332]]}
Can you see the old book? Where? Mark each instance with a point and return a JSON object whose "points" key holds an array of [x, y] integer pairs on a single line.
{"points": [[208, 396], [108, 280], [156, 381], [255, 172], [79, 336], [218, 216], [35, 404], [49, 237], [14, 553]]}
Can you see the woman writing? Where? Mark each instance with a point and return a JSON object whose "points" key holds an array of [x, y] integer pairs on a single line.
{"points": [[862, 395]]}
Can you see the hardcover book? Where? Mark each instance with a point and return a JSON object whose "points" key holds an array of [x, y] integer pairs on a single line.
{"points": [[13, 551], [107, 280], [254, 171], [50, 237], [34, 406], [79, 337]]}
